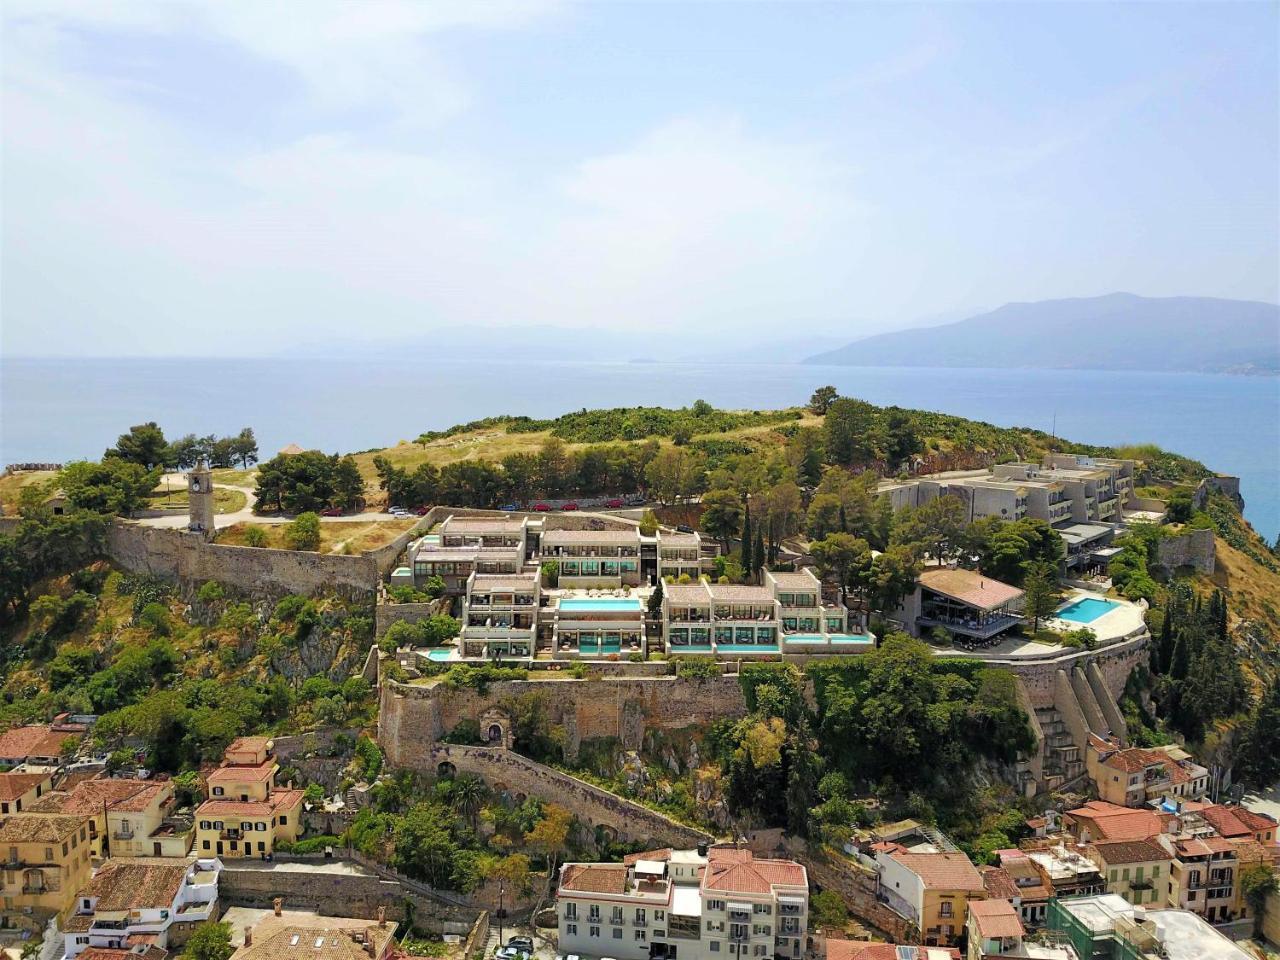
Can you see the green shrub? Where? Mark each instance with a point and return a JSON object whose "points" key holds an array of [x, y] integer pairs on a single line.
{"points": [[210, 592], [255, 536], [303, 532], [695, 668]]}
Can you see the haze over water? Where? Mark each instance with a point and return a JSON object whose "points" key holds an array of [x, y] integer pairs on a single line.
{"points": [[58, 410]]}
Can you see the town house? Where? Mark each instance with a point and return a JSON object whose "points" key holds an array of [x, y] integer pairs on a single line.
{"points": [[127, 817], [932, 890], [46, 860], [246, 815]]}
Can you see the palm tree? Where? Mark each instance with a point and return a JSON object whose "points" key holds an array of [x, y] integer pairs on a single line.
{"points": [[467, 797]]}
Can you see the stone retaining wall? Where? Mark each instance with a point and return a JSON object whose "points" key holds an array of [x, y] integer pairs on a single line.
{"points": [[1190, 548], [385, 614], [514, 774], [339, 894], [257, 571]]}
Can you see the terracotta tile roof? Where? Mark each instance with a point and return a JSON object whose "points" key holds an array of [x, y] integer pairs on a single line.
{"points": [[15, 785], [104, 953], [866, 950], [1204, 846], [1236, 821], [730, 874], [998, 883], [1113, 822], [1130, 851], [1136, 759], [996, 919], [136, 884], [244, 772], [942, 871], [594, 878], [39, 828], [89, 797], [33, 741], [300, 943], [1254, 820], [247, 808], [974, 589], [735, 854], [77, 923]]}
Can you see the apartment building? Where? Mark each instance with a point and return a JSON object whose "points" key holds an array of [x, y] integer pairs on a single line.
{"points": [[500, 615], [1099, 820], [684, 905], [995, 930], [972, 607], [19, 790], [1106, 927], [594, 558], [46, 860], [1134, 777], [681, 555], [932, 890], [1066, 869], [808, 624], [717, 618], [1204, 877], [461, 546], [1019, 880], [138, 903], [1137, 870], [246, 814], [127, 817], [1240, 824], [595, 627]]}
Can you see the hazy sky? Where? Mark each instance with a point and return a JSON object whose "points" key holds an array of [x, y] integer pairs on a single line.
{"points": [[274, 172]]}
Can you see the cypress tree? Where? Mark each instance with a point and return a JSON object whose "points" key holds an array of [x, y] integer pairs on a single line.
{"points": [[757, 554], [844, 520], [1164, 649], [747, 559], [1180, 664]]}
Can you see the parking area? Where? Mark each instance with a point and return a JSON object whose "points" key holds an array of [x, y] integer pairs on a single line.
{"points": [[544, 943]]}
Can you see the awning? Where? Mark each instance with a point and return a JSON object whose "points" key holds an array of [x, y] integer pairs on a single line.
{"points": [[686, 902]]}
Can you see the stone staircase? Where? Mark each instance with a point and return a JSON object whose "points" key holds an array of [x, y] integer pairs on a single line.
{"points": [[1062, 757]]}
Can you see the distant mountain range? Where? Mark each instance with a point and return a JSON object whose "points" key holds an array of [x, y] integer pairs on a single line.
{"points": [[1120, 331]]}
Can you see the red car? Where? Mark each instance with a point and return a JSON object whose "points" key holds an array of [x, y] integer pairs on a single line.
{"points": [[614, 503], [331, 512], [570, 506], [542, 507], [422, 511]]}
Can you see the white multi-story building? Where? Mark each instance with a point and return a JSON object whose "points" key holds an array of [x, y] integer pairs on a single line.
{"points": [[684, 905], [500, 615], [142, 902]]}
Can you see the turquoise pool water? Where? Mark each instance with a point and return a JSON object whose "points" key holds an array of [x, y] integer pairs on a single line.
{"points": [[690, 648], [835, 639], [747, 647], [446, 654], [1086, 610], [599, 603]]}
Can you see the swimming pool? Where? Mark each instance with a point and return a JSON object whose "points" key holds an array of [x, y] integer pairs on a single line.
{"points": [[747, 647], [1086, 610], [571, 604], [439, 654]]}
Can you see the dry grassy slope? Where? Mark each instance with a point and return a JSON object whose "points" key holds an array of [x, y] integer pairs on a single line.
{"points": [[1253, 599]]}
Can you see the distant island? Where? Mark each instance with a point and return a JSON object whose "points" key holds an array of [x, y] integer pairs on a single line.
{"points": [[1120, 331]]}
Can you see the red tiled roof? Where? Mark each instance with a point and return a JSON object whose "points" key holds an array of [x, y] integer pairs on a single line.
{"points": [[33, 741], [248, 744], [866, 950], [1204, 846], [1135, 759], [996, 919], [91, 797], [1254, 820], [244, 772], [662, 856], [252, 808], [1130, 851], [103, 953], [136, 884], [15, 785], [735, 875], [942, 871], [997, 882], [594, 878], [1114, 822]]}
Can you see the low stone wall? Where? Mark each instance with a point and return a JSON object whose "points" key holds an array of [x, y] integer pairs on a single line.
{"points": [[1190, 548], [9, 525], [515, 774], [477, 939], [257, 571], [344, 894]]}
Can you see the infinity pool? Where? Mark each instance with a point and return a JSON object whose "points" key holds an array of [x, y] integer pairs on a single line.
{"points": [[1086, 610], [599, 603]]}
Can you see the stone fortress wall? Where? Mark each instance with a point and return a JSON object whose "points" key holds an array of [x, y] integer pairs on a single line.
{"points": [[1190, 548]]}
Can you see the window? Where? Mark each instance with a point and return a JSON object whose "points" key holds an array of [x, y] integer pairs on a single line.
{"points": [[715, 946], [260, 826], [571, 911], [571, 929], [593, 913], [617, 933], [615, 915], [284, 821], [593, 931], [762, 908], [659, 915], [715, 904], [217, 791], [206, 844], [641, 919], [639, 935], [48, 853], [944, 909]]}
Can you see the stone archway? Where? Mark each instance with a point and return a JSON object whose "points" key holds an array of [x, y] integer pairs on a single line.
{"points": [[495, 728], [446, 769]]}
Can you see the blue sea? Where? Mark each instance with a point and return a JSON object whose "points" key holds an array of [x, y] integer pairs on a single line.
{"points": [[57, 410]]}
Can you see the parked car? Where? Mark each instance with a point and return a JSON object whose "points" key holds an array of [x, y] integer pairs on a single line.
{"points": [[613, 502], [684, 528], [331, 512], [506, 953], [542, 507], [521, 943], [422, 511], [571, 505], [509, 507]]}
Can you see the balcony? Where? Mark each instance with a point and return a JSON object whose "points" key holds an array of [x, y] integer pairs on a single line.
{"points": [[124, 833]]}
